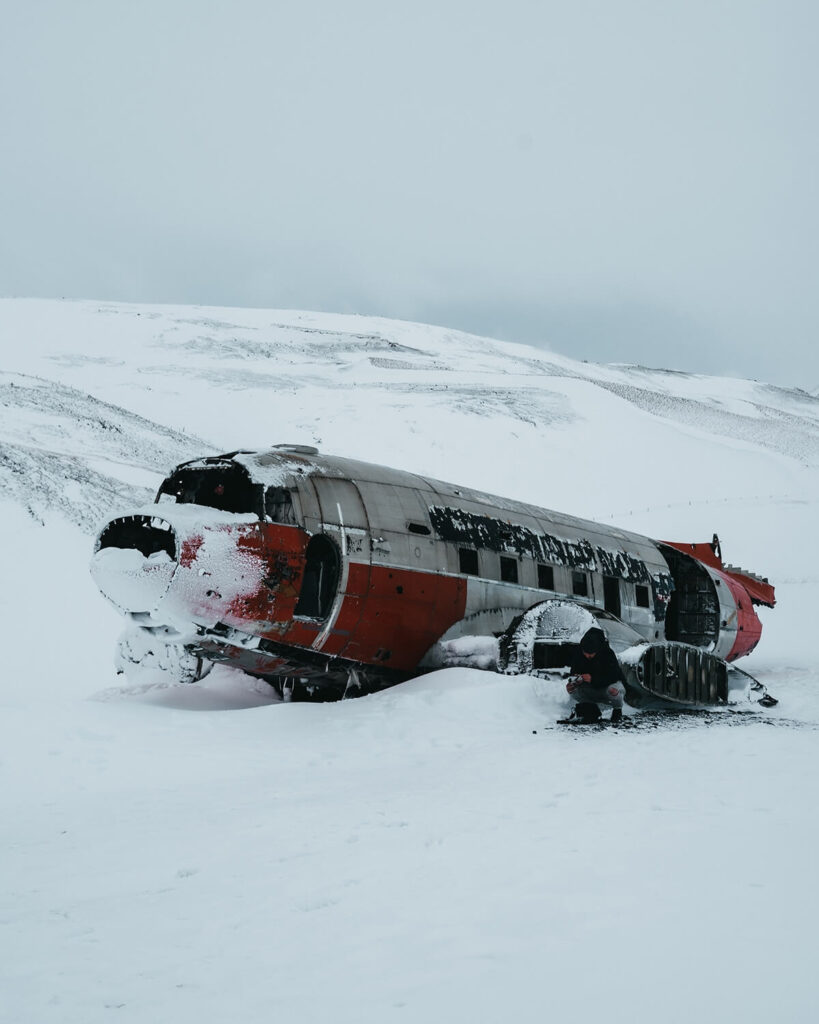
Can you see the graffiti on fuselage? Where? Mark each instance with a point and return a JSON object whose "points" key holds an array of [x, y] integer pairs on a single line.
{"points": [[484, 532]]}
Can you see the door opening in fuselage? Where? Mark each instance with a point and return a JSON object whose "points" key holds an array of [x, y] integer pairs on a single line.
{"points": [[321, 578], [692, 616]]}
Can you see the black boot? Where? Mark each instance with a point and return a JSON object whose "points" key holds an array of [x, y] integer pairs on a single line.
{"points": [[616, 715], [587, 712]]}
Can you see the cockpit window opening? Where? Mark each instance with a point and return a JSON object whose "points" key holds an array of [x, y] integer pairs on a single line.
{"points": [[224, 487], [142, 533]]}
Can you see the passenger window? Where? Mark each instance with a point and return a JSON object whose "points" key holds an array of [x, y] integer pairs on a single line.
{"points": [[468, 560], [580, 584], [641, 596], [611, 595], [508, 569], [545, 577]]}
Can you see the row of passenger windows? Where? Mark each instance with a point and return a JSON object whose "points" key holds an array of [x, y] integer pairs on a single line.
{"points": [[509, 569], [468, 559]]}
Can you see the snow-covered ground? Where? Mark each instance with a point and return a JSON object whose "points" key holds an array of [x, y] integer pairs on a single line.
{"points": [[440, 851]]}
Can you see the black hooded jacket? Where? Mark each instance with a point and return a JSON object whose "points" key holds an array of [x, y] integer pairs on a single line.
{"points": [[604, 668]]}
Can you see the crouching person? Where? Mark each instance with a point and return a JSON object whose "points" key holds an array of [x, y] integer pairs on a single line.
{"points": [[595, 676]]}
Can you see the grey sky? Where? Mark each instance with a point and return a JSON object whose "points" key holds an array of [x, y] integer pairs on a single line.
{"points": [[632, 180]]}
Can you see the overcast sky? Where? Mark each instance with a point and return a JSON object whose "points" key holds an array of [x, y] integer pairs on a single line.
{"points": [[631, 180]]}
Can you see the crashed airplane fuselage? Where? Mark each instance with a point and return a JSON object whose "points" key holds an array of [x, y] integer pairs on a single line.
{"points": [[348, 577]]}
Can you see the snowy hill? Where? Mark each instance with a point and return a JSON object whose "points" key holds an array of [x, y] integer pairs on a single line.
{"points": [[439, 851]]}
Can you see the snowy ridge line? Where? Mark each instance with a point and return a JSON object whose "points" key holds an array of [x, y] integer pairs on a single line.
{"points": [[774, 428], [50, 434], [235, 378], [385, 363], [259, 348], [112, 425], [45, 482], [373, 341], [531, 405]]}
